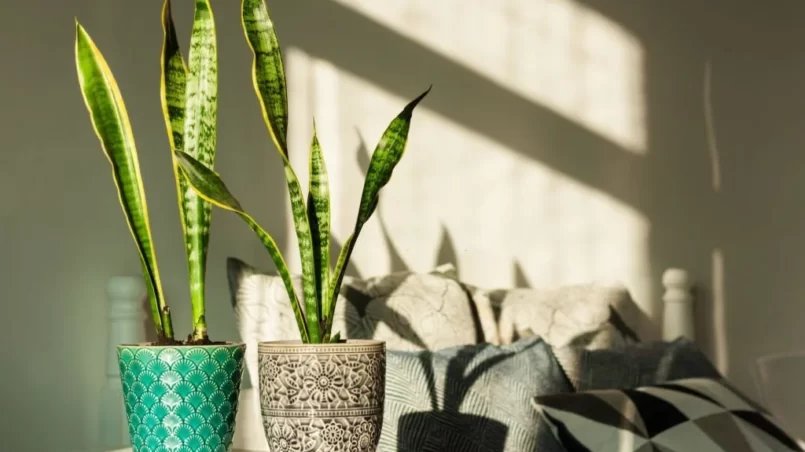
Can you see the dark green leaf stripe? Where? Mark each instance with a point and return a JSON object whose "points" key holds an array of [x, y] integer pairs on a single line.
{"points": [[111, 124], [268, 77], [201, 112], [387, 154], [210, 187], [268, 73], [318, 203]]}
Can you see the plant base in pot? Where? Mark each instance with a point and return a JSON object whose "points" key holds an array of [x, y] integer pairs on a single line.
{"points": [[317, 397], [181, 398]]}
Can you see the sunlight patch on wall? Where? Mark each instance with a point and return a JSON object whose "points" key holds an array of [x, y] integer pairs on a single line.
{"points": [[556, 53], [456, 194]]}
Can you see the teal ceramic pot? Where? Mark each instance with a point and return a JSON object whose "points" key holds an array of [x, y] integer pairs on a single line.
{"points": [[181, 398]]}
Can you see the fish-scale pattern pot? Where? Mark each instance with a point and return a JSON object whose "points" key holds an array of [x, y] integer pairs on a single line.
{"points": [[181, 398]]}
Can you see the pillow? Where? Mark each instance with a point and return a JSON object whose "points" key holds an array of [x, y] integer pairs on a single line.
{"points": [[633, 365], [471, 398], [698, 414], [589, 315]]}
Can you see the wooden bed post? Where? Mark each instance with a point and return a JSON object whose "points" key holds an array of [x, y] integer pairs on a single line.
{"points": [[125, 325], [678, 319]]}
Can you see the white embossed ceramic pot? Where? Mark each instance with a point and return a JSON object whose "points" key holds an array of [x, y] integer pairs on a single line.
{"points": [[322, 397]]}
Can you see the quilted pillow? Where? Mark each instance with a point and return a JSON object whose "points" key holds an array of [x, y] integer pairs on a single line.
{"points": [[475, 398], [699, 414], [593, 316]]}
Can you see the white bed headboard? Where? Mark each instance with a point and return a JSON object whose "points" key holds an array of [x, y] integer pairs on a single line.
{"points": [[126, 317]]}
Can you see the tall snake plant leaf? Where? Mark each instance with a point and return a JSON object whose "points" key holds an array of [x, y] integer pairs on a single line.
{"points": [[318, 207], [210, 187], [111, 124], [387, 154], [198, 140], [173, 83], [268, 76]]}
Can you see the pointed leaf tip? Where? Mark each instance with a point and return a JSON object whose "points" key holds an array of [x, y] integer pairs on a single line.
{"points": [[206, 182], [411, 105]]}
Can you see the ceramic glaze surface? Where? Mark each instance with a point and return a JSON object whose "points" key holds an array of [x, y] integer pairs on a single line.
{"points": [[318, 398], [181, 399]]}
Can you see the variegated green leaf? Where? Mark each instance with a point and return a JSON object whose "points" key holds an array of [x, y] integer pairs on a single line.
{"points": [[387, 154], [268, 73], [268, 76], [199, 141], [318, 206], [173, 83], [307, 255], [111, 124], [210, 187]]}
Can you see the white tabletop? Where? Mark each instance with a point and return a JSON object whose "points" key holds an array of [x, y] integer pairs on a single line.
{"points": [[128, 449]]}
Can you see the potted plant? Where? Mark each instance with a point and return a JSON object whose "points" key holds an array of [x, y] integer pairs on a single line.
{"points": [[320, 391], [179, 394]]}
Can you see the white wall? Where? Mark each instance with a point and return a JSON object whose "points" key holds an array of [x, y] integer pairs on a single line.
{"points": [[563, 141]]}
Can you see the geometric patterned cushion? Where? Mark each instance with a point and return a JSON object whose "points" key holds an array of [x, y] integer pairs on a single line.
{"points": [[696, 414]]}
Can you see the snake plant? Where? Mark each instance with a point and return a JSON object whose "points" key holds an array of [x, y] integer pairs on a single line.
{"points": [[189, 102], [321, 284]]}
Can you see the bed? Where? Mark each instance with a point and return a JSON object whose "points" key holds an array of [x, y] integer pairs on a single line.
{"points": [[126, 315]]}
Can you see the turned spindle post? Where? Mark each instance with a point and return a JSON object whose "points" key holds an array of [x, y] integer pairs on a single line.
{"points": [[678, 319], [125, 325]]}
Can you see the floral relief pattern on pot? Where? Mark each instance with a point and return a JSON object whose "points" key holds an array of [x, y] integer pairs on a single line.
{"points": [[318, 398], [181, 398]]}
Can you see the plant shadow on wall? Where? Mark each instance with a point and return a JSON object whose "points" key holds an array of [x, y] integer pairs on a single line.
{"points": [[685, 221], [446, 255]]}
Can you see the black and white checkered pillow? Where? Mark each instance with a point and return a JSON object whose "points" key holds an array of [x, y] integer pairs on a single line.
{"points": [[697, 414]]}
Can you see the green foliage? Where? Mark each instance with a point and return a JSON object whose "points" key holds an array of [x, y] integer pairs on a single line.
{"points": [[189, 104], [321, 284]]}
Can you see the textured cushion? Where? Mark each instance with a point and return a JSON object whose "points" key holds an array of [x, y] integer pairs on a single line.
{"points": [[632, 365], [471, 398], [702, 415], [589, 315]]}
